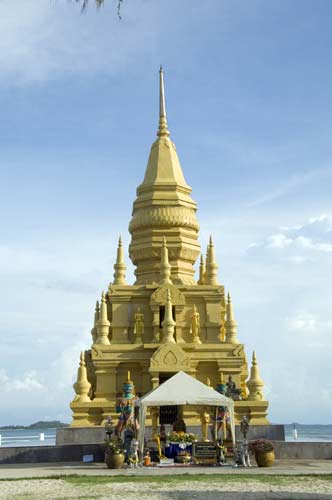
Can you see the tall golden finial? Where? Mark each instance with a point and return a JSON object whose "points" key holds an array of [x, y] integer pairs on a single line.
{"points": [[208, 382], [168, 324], [82, 385], [165, 267], [103, 325], [211, 265], [94, 332], [120, 266], [201, 279], [255, 384], [163, 127], [231, 324]]}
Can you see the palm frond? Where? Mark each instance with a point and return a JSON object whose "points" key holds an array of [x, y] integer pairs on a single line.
{"points": [[99, 3]]}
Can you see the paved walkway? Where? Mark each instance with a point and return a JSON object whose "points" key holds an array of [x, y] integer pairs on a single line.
{"points": [[289, 467]]}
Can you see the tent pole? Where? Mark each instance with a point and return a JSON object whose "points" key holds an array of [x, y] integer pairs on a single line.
{"points": [[216, 425]]}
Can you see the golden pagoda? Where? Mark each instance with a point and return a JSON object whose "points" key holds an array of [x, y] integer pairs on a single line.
{"points": [[168, 320]]}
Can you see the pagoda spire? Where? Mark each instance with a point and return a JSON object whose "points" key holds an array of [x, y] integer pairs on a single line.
{"points": [[163, 206], [168, 323], [94, 332], [165, 267], [163, 127], [231, 324], [82, 385], [103, 324], [255, 384], [211, 265], [120, 266], [201, 279]]}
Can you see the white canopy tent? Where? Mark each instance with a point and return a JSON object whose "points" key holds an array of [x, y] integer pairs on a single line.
{"points": [[182, 389]]}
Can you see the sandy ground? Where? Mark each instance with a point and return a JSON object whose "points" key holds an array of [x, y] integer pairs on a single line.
{"points": [[209, 489]]}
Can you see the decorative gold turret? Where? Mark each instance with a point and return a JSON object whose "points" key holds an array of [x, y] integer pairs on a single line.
{"points": [[231, 324], [120, 266], [168, 323], [211, 265], [164, 207], [201, 280], [165, 267], [94, 332], [82, 385], [103, 324], [255, 384]]}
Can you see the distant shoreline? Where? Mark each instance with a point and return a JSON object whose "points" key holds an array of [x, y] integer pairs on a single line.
{"points": [[55, 424]]}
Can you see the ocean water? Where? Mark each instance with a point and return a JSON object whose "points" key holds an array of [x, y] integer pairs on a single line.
{"points": [[24, 437], [27, 437], [315, 433]]}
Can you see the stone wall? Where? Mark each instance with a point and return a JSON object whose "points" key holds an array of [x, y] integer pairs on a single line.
{"points": [[44, 454], [303, 450], [74, 452], [80, 435], [96, 435]]}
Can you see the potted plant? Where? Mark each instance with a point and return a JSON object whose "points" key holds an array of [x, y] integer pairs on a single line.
{"points": [[114, 455], [263, 451]]}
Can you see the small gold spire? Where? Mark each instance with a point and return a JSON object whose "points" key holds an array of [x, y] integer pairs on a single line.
{"points": [[231, 324], [163, 127], [168, 324], [165, 267], [208, 382], [207, 256], [222, 380], [120, 266], [82, 385], [128, 376], [201, 279], [211, 265], [255, 383], [94, 332], [103, 325]]}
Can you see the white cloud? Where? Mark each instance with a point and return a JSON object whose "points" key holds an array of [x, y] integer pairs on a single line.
{"points": [[30, 381], [306, 323], [278, 241], [309, 323], [308, 240]]}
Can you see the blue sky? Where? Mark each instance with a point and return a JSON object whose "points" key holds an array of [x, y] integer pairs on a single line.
{"points": [[248, 88]]}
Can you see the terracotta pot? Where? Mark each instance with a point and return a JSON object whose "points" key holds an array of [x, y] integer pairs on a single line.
{"points": [[264, 458], [114, 460]]}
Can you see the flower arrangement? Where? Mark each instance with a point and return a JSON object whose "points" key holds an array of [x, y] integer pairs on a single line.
{"points": [[113, 446], [260, 445], [182, 437]]}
